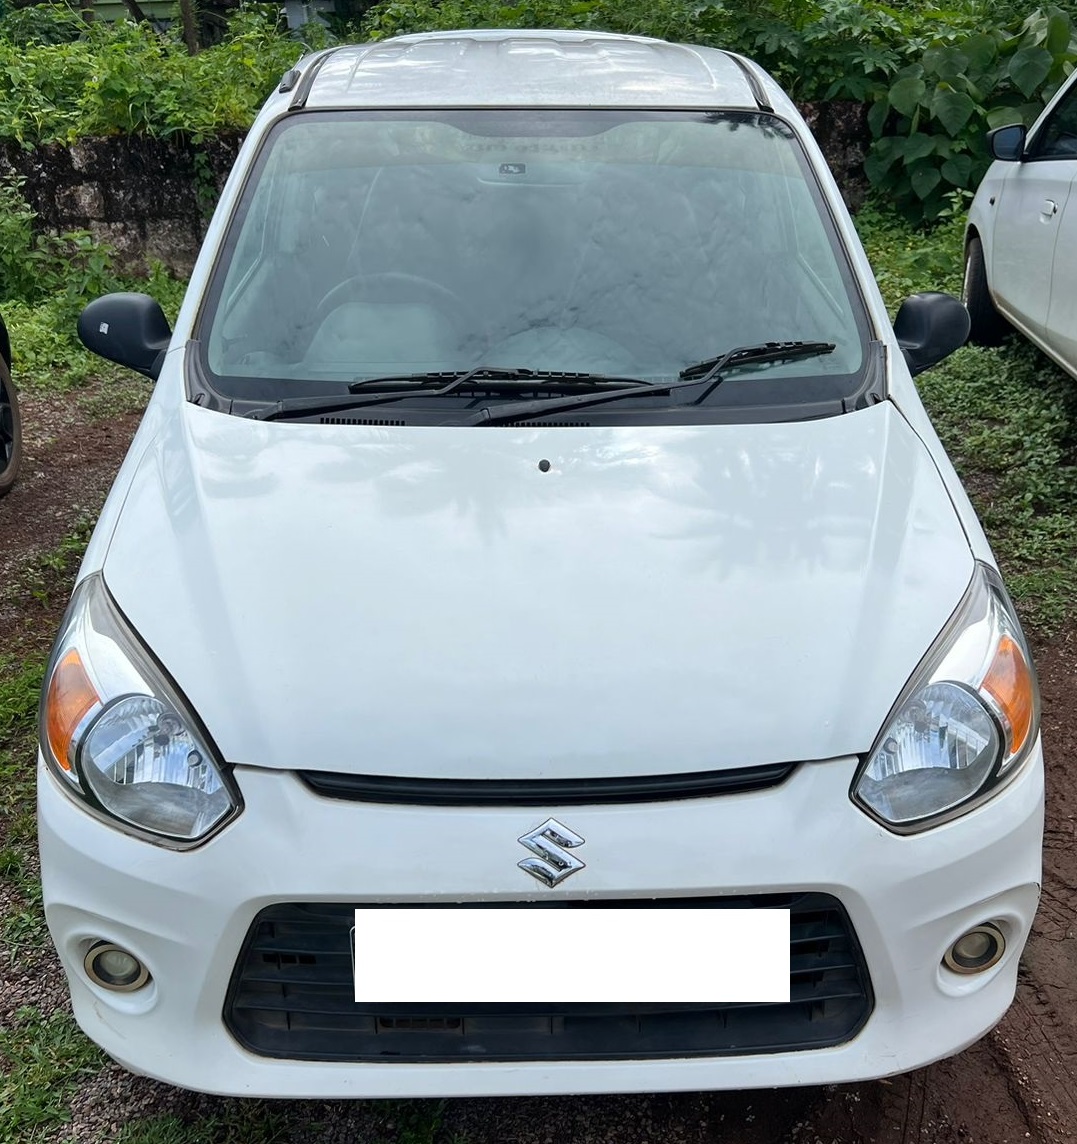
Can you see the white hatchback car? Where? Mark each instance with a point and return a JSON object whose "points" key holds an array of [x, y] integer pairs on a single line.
{"points": [[535, 510], [1021, 237]]}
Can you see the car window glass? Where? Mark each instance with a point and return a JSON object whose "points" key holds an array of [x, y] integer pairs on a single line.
{"points": [[1058, 138], [371, 245]]}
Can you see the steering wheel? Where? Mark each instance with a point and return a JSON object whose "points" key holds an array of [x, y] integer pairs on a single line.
{"points": [[391, 287]]}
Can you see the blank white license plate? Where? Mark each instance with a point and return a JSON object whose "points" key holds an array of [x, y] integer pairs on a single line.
{"points": [[452, 956]]}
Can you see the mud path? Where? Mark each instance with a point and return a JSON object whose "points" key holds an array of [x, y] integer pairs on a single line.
{"points": [[1019, 1084]]}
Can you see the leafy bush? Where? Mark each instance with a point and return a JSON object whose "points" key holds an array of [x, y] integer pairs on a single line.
{"points": [[830, 49], [42, 24], [666, 19], [70, 267], [929, 123], [61, 79]]}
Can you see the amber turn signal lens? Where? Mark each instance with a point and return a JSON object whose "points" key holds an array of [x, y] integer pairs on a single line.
{"points": [[1009, 683], [71, 695]]}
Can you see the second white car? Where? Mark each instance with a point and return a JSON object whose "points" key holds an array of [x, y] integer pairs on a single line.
{"points": [[1021, 238]]}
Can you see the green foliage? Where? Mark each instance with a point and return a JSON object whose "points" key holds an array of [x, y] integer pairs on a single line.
{"points": [[18, 695], [20, 686], [61, 79], [666, 19], [47, 355], [825, 49], [907, 259], [42, 24], [238, 1122], [58, 567], [45, 1059], [930, 122], [35, 265]]}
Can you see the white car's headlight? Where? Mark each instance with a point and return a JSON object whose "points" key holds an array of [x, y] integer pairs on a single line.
{"points": [[966, 720], [119, 735]]}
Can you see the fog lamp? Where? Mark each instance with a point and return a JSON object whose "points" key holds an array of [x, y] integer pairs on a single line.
{"points": [[977, 950], [114, 968]]}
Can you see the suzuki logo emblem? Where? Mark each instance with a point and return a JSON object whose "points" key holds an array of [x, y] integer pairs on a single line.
{"points": [[551, 842]]}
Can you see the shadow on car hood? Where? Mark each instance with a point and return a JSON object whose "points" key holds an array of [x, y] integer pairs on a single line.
{"points": [[430, 602]]}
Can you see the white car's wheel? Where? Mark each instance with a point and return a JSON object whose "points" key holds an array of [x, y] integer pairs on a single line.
{"points": [[988, 327]]}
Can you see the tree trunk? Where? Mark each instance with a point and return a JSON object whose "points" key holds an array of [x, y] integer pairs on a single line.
{"points": [[189, 16]]}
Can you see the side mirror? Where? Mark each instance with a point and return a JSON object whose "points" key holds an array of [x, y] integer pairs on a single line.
{"points": [[1007, 142], [130, 329], [930, 327]]}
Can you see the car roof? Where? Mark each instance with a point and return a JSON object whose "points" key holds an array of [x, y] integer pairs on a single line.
{"points": [[493, 68]]}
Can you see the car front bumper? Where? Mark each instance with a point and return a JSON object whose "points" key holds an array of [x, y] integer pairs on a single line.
{"points": [[186, 915]]}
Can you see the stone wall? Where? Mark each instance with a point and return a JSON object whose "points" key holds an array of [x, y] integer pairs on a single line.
{"points": [[147, 198], [841, 129], [150, 199]]}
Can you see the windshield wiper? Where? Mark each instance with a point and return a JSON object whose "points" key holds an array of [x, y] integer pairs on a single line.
{"points": [[706, 375], [438, 385], [456, 378], [765, 351]]}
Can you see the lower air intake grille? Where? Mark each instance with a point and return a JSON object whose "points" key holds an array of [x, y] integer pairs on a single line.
{"points": [[291, 996]]}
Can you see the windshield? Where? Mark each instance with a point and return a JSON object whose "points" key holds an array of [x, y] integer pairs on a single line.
{"points": [[372, 245]]}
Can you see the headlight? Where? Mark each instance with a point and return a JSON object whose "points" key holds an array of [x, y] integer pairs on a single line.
{"points": [[120, 736], [964, 723]]}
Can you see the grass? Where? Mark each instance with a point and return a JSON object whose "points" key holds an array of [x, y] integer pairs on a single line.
{"points": [[53, 571], [47, 354], [247, 1122], [20, 685], [43, 585], [46, 1057]]}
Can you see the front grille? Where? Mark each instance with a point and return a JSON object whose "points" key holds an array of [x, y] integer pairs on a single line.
{"points": [[292, 996], [545, 792]]}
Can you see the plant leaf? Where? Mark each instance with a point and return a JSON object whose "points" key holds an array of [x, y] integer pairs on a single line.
{"points": [[875, 167], [917, 146], [947, 63], [1059, 28], [905, 95], [924, 180], [957, 170], [953, 109], [981, 52], [880, 109], [1003, 117], [1029, 68]]}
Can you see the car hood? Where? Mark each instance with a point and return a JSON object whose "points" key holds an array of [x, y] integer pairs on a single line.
{"points": [[437, 602]]}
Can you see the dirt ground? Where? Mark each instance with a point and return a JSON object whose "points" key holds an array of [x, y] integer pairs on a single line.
{"points": [[1018, 1084]]}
